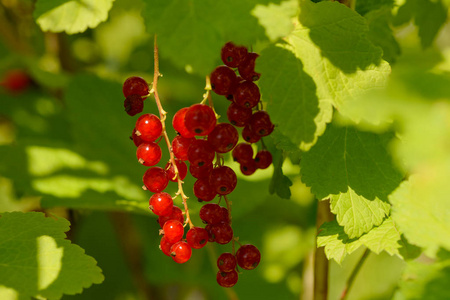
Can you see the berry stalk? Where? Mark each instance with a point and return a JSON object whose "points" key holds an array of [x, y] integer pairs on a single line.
{"points": [[162, 114]]}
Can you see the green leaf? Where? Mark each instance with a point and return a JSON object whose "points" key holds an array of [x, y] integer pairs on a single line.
{"points": [[421, 206], [366, 6], [191, 33], [290, 94], [277, 19], [338, 244], [37, 261], [424, 281], [429, 16], [355, 171], [71, 16], [380, 33], [280, 183]]}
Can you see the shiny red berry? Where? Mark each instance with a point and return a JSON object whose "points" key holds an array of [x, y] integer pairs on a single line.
{"points": [[222, 233], [179, 125], [165, 246], [247, 67], [223, 80], [182, 170], [148, 154], [180, 146], [223, 180], [223, 138], [242, 152], [200, 119], [247, 94], [263, 159], [248, 167], [136, 139], [197, 237], [203, 190], [173, 231], [133, 104], [181, 252], [148, 127], [249, 135], [155, 179], [227, 279], [248, 257], [176, 214], [161, 204], [226, 262], [135, 85], [260, 123], [211, 213], [201, 171], [201, 153], [233, 55], [238, 115]]}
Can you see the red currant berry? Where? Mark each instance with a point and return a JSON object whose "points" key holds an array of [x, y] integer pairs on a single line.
{"points": [[233, 55], [248, 257], [182, 170], [227, 279], [247, 67], [180, 146], [211, 213], [148, 154], [178, 123], [165, 246], [181, 252], [223, 138], [222, 232], [263, 159], [223, 180], [197, 237], [173, 231], [225, 215], [242, 152], [248, 167], [201, 171], [135, 85], [161, 204], [226, 262], [15, 81], [201, 153], [200, 119], [223, 80], [176, 214], [247, 94], [155, 179], [260, 123], [203, 190], [249, 135], [210, 235], [136, 139], [148, 127], [237, 115], [133, 104]]}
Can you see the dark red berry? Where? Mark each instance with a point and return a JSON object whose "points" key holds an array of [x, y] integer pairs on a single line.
{"points": [[225, 215], [242, 152], [176, 214], [248, 167], [249, 135], [223, 180], [148, 127], [165, 246], [135, 85], [223, 138], [247, 67], [233, 55], [223, 80], [226, 262], [178, 123], [148, 154], [227, 279], [181, 252], [201, 171], [263, 159], [197, 237], [200, 119], [247, 94], [182, 170], [260, 123], [248, 257], [201, 153], [133, 104], [222, 232], [238, 115], [211, 213], [173, 231], [180, 146], [155, 179], [15, 81], [203, 190], [210, 235], [161, 204]]}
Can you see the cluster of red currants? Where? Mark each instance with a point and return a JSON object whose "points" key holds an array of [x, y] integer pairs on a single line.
{"points": [[200, 140], [243, 111]]}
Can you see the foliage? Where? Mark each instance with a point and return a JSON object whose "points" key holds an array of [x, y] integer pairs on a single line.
{"points": [[360, 95]]}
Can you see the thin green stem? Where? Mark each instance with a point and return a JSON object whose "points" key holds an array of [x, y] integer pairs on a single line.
{"points": [[355, 271]]}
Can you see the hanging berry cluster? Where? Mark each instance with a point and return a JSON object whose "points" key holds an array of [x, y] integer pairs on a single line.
{"points": [[202, 141]]}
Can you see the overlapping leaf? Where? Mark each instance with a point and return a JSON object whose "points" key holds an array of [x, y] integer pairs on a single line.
{"points": [[71, 16], [37, 261], [338, 245], [354, 170]]}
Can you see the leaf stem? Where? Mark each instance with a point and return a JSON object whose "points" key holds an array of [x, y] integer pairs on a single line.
{"points": [[162, 115], [355, 271]]}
